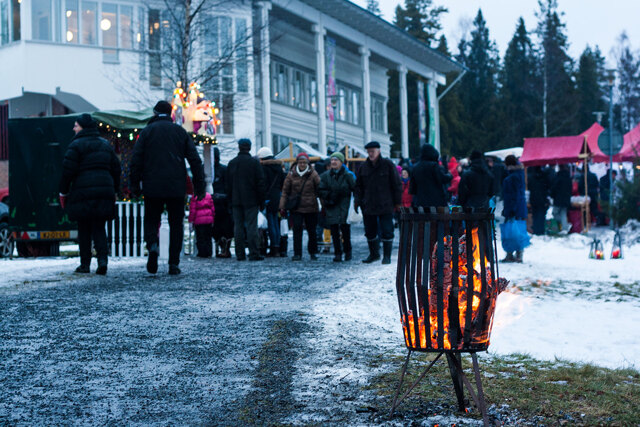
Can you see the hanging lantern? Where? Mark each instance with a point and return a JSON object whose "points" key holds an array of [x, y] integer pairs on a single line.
{"points": [[616, 249], [596, 250]]}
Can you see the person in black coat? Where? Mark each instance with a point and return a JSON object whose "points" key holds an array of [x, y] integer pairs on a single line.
{"points": [[428, 179], [476, 185], [246, 192], [88, 188], [538, 192], [561, 195], [223, 225], [274, 178], [378, 192], [158, 171]]}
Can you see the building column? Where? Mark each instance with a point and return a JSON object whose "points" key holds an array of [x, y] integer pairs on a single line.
{"points": [[321, 95], [265, 74], [404, 114], [434, 107], [366, 92]]}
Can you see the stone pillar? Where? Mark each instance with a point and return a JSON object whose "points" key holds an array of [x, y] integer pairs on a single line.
{"points": [[434, 106], [265, 73], [404, 114], [366, 92], [321, 95]]}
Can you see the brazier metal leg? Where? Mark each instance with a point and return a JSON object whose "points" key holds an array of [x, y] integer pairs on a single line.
{"points": [[476, 399], [408, 392], [457, 379], [404, 371], [483, 405]]}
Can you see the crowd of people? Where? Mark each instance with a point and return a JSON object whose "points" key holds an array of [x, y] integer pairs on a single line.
{"points": [[304, 197]]}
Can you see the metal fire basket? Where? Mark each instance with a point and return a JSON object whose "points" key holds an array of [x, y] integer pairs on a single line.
{"points": [[447, 284]]}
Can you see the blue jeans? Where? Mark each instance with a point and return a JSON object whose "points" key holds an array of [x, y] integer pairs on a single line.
{"points": [[273, 228]]}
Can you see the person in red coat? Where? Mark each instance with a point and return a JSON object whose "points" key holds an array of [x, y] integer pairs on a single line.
{"points": [[407, 198], [202, 214]]}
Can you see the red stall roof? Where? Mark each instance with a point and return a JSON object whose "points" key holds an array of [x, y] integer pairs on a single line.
{"points": [[592, 135], [631, 147], [554, 150]]}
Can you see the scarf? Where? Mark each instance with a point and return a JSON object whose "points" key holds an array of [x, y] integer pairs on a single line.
{"points": [[301, 173]]}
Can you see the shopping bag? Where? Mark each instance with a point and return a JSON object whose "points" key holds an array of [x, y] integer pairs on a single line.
{"points": [[514, 235], [262, 221]]}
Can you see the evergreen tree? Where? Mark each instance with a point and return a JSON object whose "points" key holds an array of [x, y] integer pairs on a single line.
{"points": [[519, 99], [590, 87], [628, 84], [420, 19], [559, 103], [373, 6]]}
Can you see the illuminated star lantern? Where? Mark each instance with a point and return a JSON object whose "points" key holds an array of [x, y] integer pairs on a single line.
{"points": [[195, 113]]}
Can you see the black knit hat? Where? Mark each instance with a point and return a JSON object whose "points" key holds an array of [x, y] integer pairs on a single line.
{"points": [[475, 154], [372, 144], [86, 121], [162, 107]]}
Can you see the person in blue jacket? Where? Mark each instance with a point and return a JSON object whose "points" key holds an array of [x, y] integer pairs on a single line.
{"points": [[515, 204]]}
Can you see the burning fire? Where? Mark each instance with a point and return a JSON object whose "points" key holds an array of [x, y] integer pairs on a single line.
{"points": [[481, 317]]}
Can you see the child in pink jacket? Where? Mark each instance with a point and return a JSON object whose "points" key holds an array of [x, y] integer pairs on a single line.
{"points": [[201, 215]]}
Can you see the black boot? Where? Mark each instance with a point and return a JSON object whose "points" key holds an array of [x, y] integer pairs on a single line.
{"points": [[225, 248], [152, 259], [346, 241], [102, 267], [374, 251], [518, 257], [337, 243], [284, 240], [387, 246]]}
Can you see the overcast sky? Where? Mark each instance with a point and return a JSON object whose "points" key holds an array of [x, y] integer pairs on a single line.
{"points": [[589, 22]]}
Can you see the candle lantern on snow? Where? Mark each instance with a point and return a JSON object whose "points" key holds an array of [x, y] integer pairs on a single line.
{"points": [[616, 249], [596, 250]]}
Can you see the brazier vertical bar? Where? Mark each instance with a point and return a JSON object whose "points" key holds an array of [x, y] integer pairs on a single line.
{"points": [[454, 309], [440, 284], [400, 277], [469, 282], [411, 289], [482, 308], [426, 271]]}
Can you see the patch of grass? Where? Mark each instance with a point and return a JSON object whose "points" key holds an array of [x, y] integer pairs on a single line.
{"points": [[551, 393]]}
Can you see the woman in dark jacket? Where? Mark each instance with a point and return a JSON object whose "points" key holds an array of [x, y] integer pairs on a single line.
{"points": [[538, 197], [336, 186], [302, 183], [476, 184], [223, 225], [428, 179], [274, 179], [90, 181], [515, 204]]}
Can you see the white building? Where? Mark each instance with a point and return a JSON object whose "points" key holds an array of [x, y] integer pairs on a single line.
{"points": [[61, 56]]}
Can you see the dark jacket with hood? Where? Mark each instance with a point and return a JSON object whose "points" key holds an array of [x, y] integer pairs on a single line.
{"points": [[538, 187], [305, 185], [476, 186], [245, 181], [158, 161], [335, 192], [428, 179], [90, 177], [561, 189], [513, 187], [219, 175], [378, 187], [274, 179]]}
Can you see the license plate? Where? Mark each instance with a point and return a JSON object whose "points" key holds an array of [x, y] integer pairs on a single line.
{"points": [[54, 234]]}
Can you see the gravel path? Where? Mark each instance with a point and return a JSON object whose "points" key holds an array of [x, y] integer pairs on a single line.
{"points": [[225, 343]]}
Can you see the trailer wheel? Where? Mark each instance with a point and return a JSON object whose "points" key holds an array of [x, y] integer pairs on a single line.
{"points": [[6, 241]]}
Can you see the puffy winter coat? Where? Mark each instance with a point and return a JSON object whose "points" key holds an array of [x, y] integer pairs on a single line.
{"points": [[90, 177], [335, 192], [158, 160], [245, 181], [202, 212], [274, 179], [428, 180], [476, 186], [515, 204], [378, 188], [561, 189], [407, 198], [293, 184]]}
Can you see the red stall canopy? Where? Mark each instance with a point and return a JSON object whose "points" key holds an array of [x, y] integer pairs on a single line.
{"points": [[554, 150], [592, 135], [631, 147]]}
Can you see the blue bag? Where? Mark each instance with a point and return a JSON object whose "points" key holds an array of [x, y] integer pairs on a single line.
{"points": [[514, 235]]}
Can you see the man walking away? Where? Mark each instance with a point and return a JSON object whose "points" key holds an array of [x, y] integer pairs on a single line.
{"points": [[561, 195], [158, 171], [428, 180], [246, 191], [476, 185], [378, 192]]}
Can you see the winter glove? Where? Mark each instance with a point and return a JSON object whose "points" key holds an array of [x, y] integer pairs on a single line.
{"points": [[63, 200]]}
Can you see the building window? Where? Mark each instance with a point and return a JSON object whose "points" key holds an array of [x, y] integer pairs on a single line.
{"points": [[89, 22], [41, 20], [4, 22], [349, 104], [71, 16], [313, 88], [57, 20], [126, 27], [225, 54], [242, 67], [280, 86], [281, 142], [15, 20], [155, 60], [291, 85], [377, 113]]}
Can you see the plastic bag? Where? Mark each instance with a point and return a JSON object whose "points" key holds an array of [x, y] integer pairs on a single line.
{"points": [[262, 221], [354, 217], [514, 235]]}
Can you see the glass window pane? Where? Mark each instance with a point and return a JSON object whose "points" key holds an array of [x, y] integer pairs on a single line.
{"points": [[140, 34], [225, 36], [314, 93], [155, 64], [4, 21], [227, 108], [89, 22], [242, 68], [57, 20], [356, 108], [41, 19], [71, 16], [242, 74], [126, 27], [109, 25], [211, 37], [342, 105], [154, 29]]}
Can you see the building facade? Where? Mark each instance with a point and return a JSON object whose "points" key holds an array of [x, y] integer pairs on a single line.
{"points": [[305, 71]]}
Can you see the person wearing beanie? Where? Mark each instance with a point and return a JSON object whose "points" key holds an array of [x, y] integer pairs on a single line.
{"points": [[88, 187], [429, 179], [223, 225], [300, 199], [274, 179], [245, 188], [159, 173], [476, 184], [336, 186], [378, 192], [515, 203]]}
